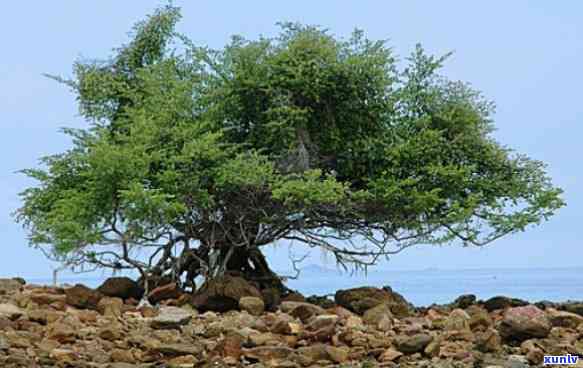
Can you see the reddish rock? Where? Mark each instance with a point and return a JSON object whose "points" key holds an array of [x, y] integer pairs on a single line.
{"points": [[522, 323], [165, 292]]}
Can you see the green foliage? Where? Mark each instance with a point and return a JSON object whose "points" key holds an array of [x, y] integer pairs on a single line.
{"points": [[304, 136]]}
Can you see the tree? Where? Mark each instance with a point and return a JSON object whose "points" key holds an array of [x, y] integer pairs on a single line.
{"points": [[195, 159]]}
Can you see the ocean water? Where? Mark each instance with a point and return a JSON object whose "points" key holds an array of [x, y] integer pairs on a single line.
{"points": [[425, 287], [442, 286]]}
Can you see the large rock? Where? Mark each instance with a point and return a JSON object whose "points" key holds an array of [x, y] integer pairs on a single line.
{"points": [[522, 323], [171, 318], [502, 302], [361, 299], [121, 287], [223, 294], [82, 297]]}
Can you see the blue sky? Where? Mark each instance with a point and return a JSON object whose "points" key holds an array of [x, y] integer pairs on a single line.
{"points": [[525, 55]]}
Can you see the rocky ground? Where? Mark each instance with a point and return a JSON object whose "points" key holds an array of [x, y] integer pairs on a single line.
{"points": [[232, 324]]}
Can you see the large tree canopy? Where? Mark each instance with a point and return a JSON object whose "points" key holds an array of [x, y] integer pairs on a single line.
{"points": [[194, 159]]}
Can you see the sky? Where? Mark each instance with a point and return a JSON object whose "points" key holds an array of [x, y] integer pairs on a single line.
{"points": [[524, 55]]}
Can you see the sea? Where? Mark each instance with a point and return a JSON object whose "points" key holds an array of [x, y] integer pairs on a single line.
{"points": [[430, 286]]}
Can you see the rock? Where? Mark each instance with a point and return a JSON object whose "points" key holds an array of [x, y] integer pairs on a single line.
{"points": [[414, 344], [488, 341], [522, 323], [458, 320], [65, 357], [10, 311], [121, 287], [464, 301], [110, 306], [359, 300], [336, 354], [164, 292], [268, 353], [516, 361], [111, 332], [322, 321], [48, 298], [170, 318], [178, 349], [502, 302], [564, 318], [61, 332], [479, 318], [303, 311], [532, 351], [252, 305], [321, 352], [230, 346], [82, 297], [122, 356], [223, 294], [86, 316], [376, 314], [390, 355], [3, 344]]}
